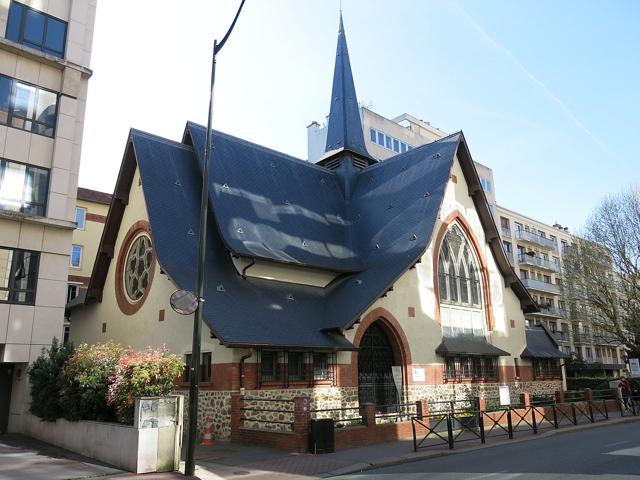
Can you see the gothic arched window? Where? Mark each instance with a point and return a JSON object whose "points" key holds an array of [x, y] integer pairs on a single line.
{"points": [[458, 274]]}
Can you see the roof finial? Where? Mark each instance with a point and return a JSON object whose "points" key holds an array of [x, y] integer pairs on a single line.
{"points": [[345, 126]]}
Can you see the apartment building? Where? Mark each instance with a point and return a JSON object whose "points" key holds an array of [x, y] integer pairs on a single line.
{"points": [[534, 248], [45, 52], [535, 251], [92, 208]]}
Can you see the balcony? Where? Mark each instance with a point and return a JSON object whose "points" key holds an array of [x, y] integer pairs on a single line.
{"points": [[582, 338], [534, 238], [537, 261], [541, 286], [561, 336], [506, 232], [605, 340], [614, 365], [551, 312]]}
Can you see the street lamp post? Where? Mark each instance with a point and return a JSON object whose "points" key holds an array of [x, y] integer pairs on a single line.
{"points": [[198, 317]]}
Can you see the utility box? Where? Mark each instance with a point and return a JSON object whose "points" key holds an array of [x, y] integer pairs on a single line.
{"points": [[321, 436]]}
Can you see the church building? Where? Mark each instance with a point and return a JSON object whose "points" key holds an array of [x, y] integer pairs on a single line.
{"points": [[350, 281]]}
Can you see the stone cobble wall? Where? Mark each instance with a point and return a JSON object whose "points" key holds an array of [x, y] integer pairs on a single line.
{"points": [[320, 399], [217, 404], [214, 404], [438, 396]]}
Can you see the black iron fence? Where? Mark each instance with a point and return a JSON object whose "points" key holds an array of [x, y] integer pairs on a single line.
{"points": [[457, 425], [342, 417]]}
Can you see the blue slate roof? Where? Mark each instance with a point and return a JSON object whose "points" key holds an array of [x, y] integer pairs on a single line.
{"points": [[345, 127], [395, 204], [541, 344]]}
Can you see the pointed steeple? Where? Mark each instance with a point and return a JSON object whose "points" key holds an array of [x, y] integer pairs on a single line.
{"points": [[345, 127]]}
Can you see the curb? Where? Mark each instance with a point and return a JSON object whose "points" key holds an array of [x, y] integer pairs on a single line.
{"points": [[419, 456]]}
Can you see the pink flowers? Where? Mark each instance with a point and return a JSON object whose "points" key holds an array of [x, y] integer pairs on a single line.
{"points": [[148, 373]]}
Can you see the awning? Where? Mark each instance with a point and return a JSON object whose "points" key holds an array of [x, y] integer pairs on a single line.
{"points": [[540, 344], [451, 346]]}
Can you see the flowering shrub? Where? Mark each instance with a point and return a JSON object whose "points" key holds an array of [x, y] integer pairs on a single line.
{"points": [[149, 373], [43, 376], [84, 381]]}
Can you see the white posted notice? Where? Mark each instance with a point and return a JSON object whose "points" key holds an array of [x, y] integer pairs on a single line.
{"points": [[505, 397]]}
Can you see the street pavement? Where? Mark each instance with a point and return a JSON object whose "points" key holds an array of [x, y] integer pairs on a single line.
{"points": [[610, 452], [610, 448]]}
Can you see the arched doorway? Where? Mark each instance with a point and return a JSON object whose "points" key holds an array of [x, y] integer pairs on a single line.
{"points": [[375, 359]]}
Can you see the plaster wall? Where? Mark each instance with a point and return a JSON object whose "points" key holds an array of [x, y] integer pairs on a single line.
{"points": [[155, 323]]}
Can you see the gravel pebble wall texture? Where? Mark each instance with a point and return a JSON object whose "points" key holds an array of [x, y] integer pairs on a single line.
{"points": [[217, 404]]}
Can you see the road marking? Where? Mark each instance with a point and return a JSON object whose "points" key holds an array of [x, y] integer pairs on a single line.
{"points": [[629, 452]]}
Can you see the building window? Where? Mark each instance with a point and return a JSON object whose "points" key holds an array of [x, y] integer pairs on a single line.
{"points": [[138, 267], [471, 368], [204, 375], [76, 256], [388, 142], [546, 368], [36, 30], [269, 366], [27, 107], [18, 276], [296, 369], [321, 366], [72, 292], [278, 367], [458, 274], [486, 184], [81, 217], [23, 188]]}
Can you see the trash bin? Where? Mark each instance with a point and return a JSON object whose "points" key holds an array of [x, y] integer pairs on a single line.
{"points": [[321, 436]]}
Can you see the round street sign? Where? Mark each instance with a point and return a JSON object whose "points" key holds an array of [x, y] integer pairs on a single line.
{"points": [[183, 302]]}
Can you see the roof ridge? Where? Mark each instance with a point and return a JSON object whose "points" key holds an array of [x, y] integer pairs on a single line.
{"points": [[261, 147], [167, 141]]}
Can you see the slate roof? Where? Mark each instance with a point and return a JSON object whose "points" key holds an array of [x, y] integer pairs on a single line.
{"points": [[541, 344], [395, 217], [93, 196], [466, 345]]}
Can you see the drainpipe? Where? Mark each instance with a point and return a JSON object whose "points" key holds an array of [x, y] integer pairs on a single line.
{"points": [[242, 359]]}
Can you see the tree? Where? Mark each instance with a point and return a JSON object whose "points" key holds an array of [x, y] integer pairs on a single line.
{"points": [[43, 377], [601, 272]]}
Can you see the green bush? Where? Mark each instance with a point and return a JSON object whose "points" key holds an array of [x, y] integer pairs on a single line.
{"points": [[43, 376], [84, 381], [149, 373], [594, 383]]}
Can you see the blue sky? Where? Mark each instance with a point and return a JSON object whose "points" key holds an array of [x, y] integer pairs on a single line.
{"points": [[547, 93]]}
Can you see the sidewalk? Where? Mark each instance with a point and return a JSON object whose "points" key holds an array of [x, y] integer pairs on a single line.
{"points": [[225, 460], [22, 458]]}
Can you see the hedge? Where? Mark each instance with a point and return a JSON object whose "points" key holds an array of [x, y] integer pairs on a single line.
{"points": [[99, 382]]}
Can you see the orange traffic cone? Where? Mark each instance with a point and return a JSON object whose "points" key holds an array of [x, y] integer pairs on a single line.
{"points": [[207, 438]]}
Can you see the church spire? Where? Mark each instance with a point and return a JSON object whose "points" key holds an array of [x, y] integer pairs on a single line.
{"points": [[345, 127]]}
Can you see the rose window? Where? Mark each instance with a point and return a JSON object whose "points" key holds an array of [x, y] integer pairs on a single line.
{"points": [[138, 267]]}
